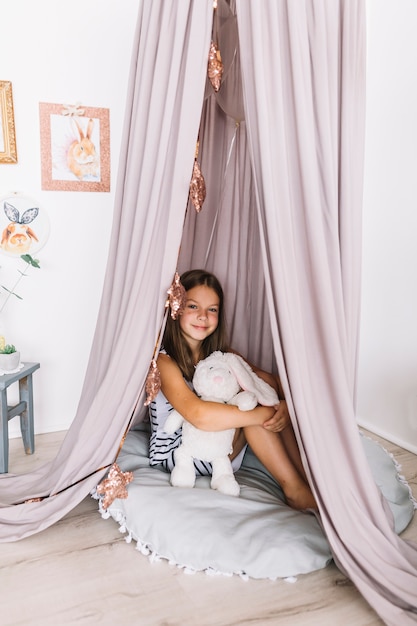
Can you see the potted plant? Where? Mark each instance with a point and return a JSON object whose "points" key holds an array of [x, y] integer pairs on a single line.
{"points": [[9, 357]]}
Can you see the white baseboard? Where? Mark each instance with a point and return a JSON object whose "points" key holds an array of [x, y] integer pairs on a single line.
{"points": [[386, 435]]}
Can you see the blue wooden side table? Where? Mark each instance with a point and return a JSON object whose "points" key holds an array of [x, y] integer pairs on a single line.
{"points": [[24, 408]]}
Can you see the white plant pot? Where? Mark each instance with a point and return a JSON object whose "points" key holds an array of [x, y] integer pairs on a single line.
{"points": [[9, 362]]}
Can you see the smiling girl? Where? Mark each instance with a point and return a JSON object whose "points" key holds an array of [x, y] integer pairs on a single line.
{"points": [[195, 334]]}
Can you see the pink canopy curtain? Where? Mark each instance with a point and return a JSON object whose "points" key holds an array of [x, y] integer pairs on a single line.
{"points": [[303, 82], [295, 159], [164, 100], [281, 228]]}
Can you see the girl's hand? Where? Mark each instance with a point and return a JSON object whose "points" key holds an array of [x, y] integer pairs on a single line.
{"points": [[280, 420]]}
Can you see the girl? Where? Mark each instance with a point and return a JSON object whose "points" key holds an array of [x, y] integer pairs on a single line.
{"points": [[194, 335]]}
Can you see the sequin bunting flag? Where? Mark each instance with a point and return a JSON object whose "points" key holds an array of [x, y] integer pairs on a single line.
{"points": [[153, 383], [176, 297], [215, 67], [197, 187], [114, 486]]}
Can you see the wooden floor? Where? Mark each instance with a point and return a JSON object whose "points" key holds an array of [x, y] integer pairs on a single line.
{"points": [[81, 571]]}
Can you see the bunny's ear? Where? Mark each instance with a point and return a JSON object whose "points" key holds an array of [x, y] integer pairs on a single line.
{"points": [[11, 212], [78, 127], [249, 381], [29, 215], [90, 127]]}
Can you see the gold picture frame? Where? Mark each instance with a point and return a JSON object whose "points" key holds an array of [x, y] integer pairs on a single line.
{"points": [[8, 152], [75, 147]]}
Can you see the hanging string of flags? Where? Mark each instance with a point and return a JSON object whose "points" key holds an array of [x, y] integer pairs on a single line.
{"points": [[114, 486]]}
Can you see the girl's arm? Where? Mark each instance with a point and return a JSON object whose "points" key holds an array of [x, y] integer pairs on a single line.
{"points": [[210, 416], [281, 418]]}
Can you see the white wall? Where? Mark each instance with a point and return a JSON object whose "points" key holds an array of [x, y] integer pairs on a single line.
{"points": [[62, 53], [388, 357], [80, 52]]}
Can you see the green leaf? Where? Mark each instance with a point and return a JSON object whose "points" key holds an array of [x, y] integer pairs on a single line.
{"points": [[28, 259]]}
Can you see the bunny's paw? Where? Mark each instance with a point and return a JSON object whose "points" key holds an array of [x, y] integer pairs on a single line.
{"points": [[226, 484]]}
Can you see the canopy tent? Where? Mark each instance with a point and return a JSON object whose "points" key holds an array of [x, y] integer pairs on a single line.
{"points": [[281, 229]]}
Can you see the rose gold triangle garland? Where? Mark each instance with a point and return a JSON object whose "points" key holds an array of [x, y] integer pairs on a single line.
{"points": [[214, 72], [197, 195], [115, 485]]}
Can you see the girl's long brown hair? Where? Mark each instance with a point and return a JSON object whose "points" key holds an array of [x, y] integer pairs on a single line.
{"points": [[173, 341]]}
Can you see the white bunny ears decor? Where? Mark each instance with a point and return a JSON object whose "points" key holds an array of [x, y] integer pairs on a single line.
{"points": [[221, 377]]}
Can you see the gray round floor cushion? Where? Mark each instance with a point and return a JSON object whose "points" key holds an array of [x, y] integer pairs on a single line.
{"points": [[254, 535]]}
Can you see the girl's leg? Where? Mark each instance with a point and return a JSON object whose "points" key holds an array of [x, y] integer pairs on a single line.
{"points": [[270, 450], [239, 442], [291, 446]]}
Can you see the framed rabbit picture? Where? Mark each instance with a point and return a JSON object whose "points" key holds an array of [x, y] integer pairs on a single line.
{"points": [[75, 147]]}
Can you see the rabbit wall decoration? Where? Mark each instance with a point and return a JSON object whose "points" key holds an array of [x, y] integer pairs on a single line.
{"points": [[82, 156], [18, 236]]}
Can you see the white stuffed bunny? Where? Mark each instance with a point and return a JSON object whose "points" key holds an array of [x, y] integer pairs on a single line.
{"points": [[220, 377]]}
